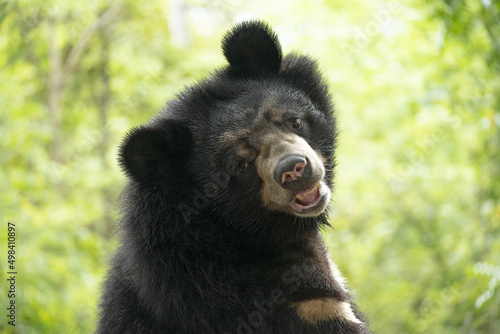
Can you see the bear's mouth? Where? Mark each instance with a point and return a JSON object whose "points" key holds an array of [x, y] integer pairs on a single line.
{"points": [[308, 198]]}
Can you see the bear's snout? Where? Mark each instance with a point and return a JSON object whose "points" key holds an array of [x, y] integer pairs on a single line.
{"points": [[293, 175], [293, 171]]}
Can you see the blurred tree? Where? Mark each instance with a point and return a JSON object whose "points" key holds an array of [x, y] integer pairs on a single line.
{"points": [[61, 69], [475, 27]]}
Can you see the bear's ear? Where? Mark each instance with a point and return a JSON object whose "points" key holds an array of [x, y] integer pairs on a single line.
{"points": [[252, 48], [158, 153]]}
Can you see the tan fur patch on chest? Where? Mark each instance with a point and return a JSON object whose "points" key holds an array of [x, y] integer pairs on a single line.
{"points": [[322, 309]]}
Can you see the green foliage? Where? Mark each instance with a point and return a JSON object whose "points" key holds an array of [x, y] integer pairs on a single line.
{"points": [[417, 202]]}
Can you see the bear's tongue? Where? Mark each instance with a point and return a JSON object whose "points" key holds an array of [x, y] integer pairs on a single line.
{"points": [[307, 198]]}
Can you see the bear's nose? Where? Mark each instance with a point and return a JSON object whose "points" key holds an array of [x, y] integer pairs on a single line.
{"points": [[291, 168]]}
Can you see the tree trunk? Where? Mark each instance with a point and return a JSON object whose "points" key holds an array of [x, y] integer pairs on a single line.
{"points": [[103, 96], [54, 93], [177, 23]]}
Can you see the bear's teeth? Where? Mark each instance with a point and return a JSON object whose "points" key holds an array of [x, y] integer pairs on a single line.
{"points": [[308, 195]]}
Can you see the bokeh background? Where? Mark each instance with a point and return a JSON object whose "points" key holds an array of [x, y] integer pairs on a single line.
{"points": [[416, 209]]}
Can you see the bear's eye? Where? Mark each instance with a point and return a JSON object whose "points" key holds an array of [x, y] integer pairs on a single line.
{"points": [[297, 123], [242, 164]]}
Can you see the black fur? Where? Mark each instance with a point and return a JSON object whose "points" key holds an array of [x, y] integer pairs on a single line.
{"points": [[199, 252], [252, 49]]}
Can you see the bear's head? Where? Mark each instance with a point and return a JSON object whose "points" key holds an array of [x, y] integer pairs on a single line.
{"points": [[256, 139]]}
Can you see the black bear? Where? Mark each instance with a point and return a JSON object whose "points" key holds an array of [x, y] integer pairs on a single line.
{"points": [[229, 186]]}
